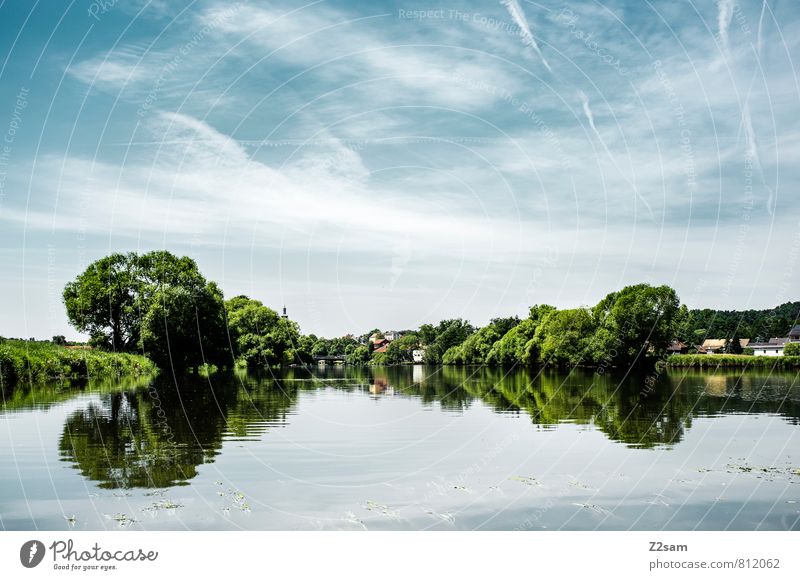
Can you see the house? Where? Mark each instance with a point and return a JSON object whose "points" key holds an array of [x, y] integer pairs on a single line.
{"points": [[711, 346], [774, 347], [677, 347], [418, 355], [717, 345], [391, 335], [380, 345]]}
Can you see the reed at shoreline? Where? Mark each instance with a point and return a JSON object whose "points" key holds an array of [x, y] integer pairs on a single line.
{"points": [[732, 360], [32, 361]]}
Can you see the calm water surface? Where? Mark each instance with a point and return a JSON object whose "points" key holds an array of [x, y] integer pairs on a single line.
{"points": [[405, 448]]}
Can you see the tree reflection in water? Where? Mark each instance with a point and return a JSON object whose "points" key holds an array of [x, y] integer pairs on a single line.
{"points": [[156, 436]]}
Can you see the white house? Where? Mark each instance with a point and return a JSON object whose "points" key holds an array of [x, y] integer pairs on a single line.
{"points": [[772, 348]]}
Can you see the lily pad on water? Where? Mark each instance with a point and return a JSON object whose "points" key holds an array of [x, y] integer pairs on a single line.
{"points": [[374, 506], [593, 507], [121, 519], [445, 517], [525, 479], [351, 518], [164, 504]]}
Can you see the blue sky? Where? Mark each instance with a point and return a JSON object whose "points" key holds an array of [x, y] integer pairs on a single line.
{"points": [[388, 164]]}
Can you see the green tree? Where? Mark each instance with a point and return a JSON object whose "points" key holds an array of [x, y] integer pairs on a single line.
{"points": [[184, 328], [477, 347], [564, 338], [359, 356], [634, 324], [103, 301], [427, 334], [320, 348], [515, 346], [447, 334], [155, 302], [302, 349], [792, 349], [259, 336], [733, 346], [341, 346], [401, 350]]}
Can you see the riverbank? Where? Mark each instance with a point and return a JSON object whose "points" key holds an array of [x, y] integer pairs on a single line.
{"points": [[42, 361], [733, 360]]}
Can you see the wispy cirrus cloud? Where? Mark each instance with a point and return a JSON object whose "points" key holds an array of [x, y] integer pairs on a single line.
{"points": [[202, 183], [111, 71]]}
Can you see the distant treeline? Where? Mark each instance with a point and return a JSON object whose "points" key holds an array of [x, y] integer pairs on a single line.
{"points": [[630, 327], [161, 306], [753, 324], [627, 328]]}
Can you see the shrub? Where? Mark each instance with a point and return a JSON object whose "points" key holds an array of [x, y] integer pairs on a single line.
{"points": [[792, 349], [732, 360]]}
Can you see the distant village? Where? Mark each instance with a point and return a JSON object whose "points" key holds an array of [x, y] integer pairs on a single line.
{"points": [[379, 342], [772, 347]]}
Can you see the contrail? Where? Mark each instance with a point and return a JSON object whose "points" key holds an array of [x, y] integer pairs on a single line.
{"points": [[752, 151], [760, 25], [590, 117], [518, 16], [723, 21], [588, 112]]}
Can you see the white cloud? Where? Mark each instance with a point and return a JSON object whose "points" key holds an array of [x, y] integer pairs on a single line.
{"points": [[203, 184], [112, 71]]}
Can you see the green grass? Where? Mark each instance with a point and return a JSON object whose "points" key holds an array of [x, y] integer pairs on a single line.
{"points": [[733, 360], [43, 361]]}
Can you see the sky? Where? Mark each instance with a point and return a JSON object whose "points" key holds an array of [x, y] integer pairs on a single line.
{"points": [[388, 164]]}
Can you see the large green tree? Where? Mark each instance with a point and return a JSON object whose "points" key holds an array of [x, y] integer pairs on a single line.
{"points": [[259, 336], [635, 324], [564, 337], [156, 303], [447, 334], [103, 302], [182, 328], [476, 348]]}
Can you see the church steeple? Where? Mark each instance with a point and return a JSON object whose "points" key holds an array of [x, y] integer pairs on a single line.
{"points": [[284, 315]]}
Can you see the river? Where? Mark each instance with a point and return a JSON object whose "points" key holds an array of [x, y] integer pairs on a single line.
{"points": [[406, 448]]}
